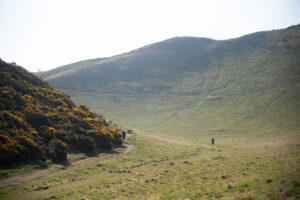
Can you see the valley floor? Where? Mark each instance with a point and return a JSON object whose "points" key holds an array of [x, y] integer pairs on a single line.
{"points": [[177, 167]]}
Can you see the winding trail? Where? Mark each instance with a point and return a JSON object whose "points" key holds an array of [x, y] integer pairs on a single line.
{"points": [[53, 170]]}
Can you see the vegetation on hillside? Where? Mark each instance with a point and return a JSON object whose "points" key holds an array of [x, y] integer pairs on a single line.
{"points": [[38, 122], [165, 66], [244, 92], [191, 85], [242, 167]]}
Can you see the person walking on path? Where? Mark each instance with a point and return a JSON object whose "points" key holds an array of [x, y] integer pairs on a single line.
{"points": [[123, 136], [212, 141]]}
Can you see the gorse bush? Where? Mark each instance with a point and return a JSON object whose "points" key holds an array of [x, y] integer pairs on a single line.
{"points": [[39, 122], [84, 143], [57, 150], [10, 150], [32, 150]]}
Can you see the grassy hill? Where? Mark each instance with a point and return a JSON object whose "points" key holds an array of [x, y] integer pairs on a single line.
{"points": [[39, 122], [191, 85], [244, 92]]}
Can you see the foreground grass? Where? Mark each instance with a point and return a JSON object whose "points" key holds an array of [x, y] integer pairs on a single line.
{"points": [[177, 168]]}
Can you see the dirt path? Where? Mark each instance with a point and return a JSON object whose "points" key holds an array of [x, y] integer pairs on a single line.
{"points": [[51, 171]]}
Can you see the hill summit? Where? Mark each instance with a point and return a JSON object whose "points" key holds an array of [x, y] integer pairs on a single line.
{"points": [[192, 85], [38, 122]]}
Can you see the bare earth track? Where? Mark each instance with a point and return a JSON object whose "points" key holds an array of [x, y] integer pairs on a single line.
{"points": [[22, 178]]}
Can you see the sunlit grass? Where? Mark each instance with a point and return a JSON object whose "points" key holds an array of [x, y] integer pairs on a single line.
{"points": [[164, 168]]}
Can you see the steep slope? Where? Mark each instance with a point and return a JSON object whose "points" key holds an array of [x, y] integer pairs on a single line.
{"points": [[37, 121], [195, 84], [147, 70]]}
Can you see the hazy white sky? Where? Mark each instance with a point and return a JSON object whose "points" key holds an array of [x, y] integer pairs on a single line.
{"points": [[44, 34]]}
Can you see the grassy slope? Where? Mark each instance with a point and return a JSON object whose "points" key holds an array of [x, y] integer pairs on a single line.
{"points": [[250, 105], [191, 85], [254, 89], [176, 168]]}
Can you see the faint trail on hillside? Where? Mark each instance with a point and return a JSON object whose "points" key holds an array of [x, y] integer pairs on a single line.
{"points": [[203, 83], [22, 178], [159, 138], [220, 68]]}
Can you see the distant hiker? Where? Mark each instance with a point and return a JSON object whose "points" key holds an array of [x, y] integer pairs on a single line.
{"points": [[212, 141], [123, 135]]}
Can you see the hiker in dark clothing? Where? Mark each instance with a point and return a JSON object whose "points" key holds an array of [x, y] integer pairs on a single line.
{"points": [[123, 135], [212, 141]]}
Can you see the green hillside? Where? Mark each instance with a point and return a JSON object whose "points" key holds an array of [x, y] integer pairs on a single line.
{"points": [[190, 85], [175, 96], [38, 122]]}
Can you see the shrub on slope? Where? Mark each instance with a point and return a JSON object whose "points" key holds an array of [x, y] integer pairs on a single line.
{"points": [[37, 121]]}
